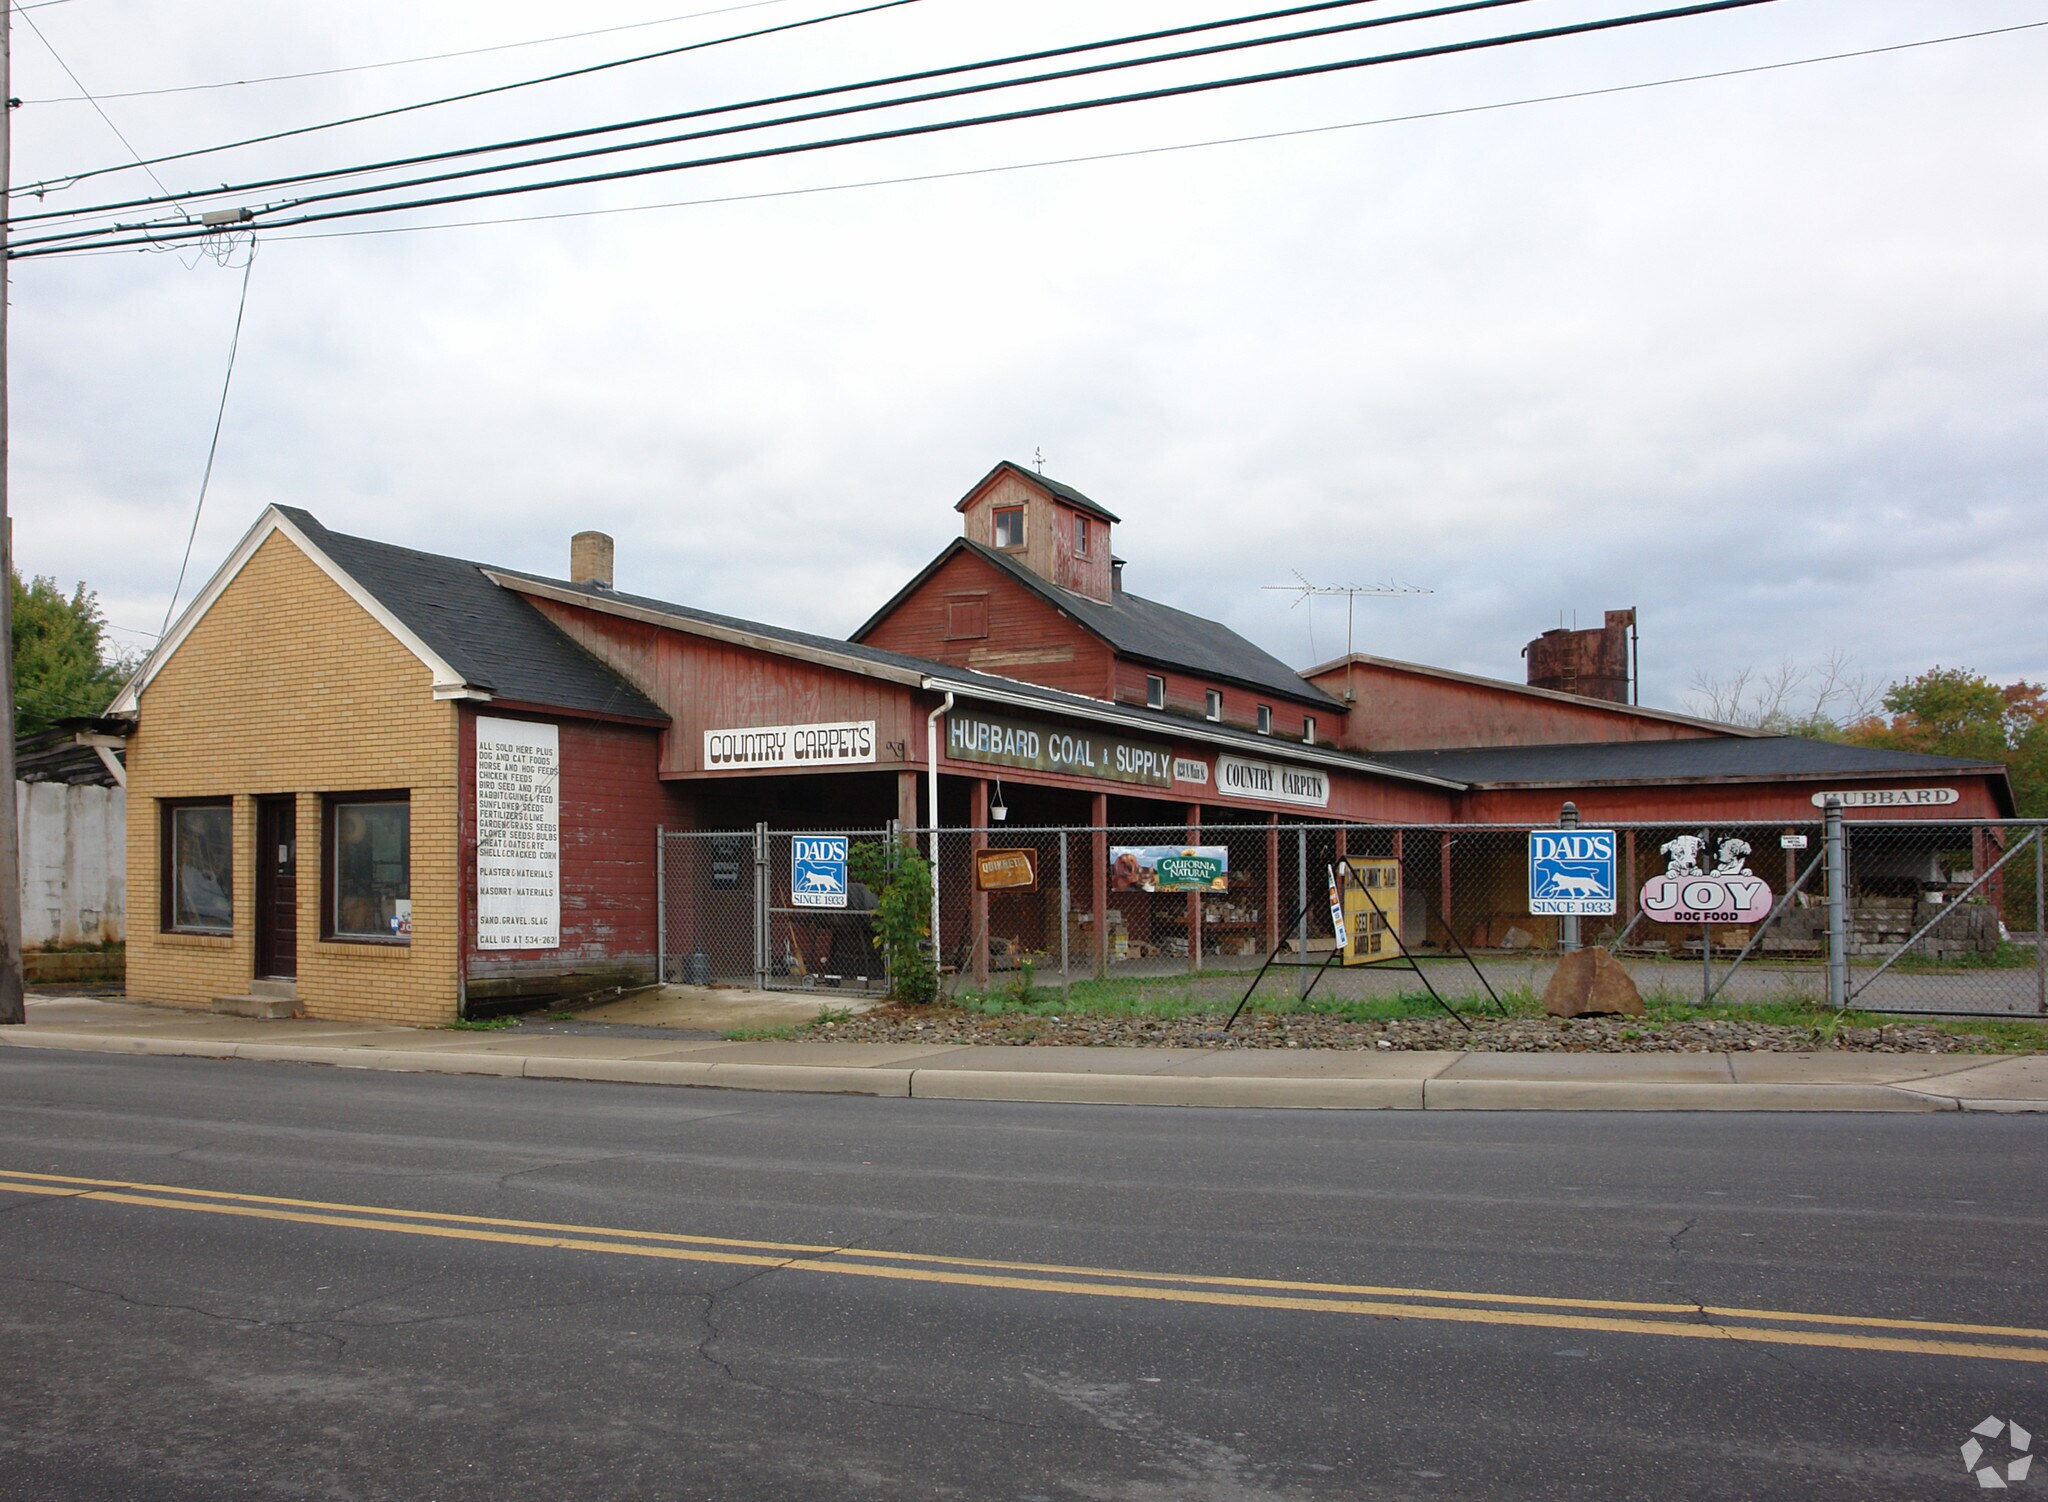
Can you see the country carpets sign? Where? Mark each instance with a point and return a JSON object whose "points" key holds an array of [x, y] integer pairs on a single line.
{"points": [[1001, 741], [761, 746], [1275, 782]]}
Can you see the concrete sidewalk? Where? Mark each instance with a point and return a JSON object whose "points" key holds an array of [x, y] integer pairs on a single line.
{"points": [[1318, 1078]]}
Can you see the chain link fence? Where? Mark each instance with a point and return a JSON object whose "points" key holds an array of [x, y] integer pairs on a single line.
{"points": [[1933, 922], [736, 910]]}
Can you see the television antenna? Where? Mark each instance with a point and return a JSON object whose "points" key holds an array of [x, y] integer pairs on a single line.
{"points": [[1302, 590]]}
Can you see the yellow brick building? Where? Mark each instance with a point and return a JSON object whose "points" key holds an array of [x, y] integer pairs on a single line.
{"points": [[296, 775]]}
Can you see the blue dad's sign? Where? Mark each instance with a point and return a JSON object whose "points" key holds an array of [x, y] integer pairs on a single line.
{"points": [[1571, 872], [817, 870]]}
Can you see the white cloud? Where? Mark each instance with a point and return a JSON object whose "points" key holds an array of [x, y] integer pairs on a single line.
{"points": [[1763, 356]]}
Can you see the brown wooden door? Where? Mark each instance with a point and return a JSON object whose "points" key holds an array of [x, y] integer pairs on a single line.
{"points": [[277, 889]]}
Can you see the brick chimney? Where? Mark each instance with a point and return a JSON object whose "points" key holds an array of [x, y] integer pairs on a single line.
{"points": [[590, 559]]}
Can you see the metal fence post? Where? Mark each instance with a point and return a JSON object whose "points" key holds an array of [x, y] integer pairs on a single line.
{"points": [[660, 906], [1066, 921], [762, 924], [1301, 903], [2040, 939], [1568, 818], [1838, 905]]}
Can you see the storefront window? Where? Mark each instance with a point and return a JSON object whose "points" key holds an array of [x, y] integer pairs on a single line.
{"points": [[199, 868], [369, 869]]}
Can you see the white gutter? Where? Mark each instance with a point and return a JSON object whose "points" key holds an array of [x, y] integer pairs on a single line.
{"points": [[931, 754], [1287, 750]]}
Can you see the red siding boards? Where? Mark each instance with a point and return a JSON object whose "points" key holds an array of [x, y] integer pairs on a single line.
{"points": [[1729, 802], [1029, 638], [1049, 532], [611, 803], [1404, 708], [1187, 694], [715, 685]]}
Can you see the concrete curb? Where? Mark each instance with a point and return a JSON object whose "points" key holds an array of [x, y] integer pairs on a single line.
{"points": [[1070, 1087]]}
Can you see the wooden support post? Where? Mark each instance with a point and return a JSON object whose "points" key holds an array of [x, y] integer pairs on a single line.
{"points": [[1098, 880], [1194, 898], [906, 798], [978, 903]]}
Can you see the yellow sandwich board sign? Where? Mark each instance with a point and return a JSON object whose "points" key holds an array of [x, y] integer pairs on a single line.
{"points": [[1372, 910]]}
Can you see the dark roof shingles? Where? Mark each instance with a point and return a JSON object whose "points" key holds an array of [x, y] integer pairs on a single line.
{"points": [[1159, 634], [492, 637]]}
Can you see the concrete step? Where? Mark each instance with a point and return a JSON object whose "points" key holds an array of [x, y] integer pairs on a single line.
{"points": [[287, 989], [267, 1008]]}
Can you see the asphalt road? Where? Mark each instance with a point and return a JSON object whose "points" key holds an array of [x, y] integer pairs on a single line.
{"points": [[208, 1291]]}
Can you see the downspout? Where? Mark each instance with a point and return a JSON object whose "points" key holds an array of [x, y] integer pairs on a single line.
{"points": [[931, 760]]}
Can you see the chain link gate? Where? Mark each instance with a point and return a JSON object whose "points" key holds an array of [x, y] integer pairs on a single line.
{"points": [[729, 915], [1945, 918]]}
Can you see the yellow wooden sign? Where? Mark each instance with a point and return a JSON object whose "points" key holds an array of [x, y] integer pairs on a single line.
{"points": [[1006, 870], [1372, 910]]}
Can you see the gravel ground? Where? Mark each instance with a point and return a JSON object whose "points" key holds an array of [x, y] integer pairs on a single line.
{"points": [[944, 1024]]}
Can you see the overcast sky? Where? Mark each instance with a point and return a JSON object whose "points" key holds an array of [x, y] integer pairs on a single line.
{"points": [[1766, 356]]}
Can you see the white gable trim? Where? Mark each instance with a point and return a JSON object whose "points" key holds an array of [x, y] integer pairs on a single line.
{"points": [[448, 683]]}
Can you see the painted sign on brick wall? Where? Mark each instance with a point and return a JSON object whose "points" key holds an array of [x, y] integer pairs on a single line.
{"points": [[518, 835]]}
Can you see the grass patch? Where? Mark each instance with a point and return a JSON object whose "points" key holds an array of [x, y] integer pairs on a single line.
{"points": [[781, 1034], [1173, 997], [480, 1024], [2008, 956]]}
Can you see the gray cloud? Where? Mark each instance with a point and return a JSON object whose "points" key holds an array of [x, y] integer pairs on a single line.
{"points": [[1764, 356]]}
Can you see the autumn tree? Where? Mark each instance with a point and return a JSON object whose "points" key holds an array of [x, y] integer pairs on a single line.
{"points": [[63, 664], [1955, 712]]}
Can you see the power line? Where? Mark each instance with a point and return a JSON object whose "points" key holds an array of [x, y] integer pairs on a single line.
{"points": [[87, 95], [179, 234], [1143, 151], [503, 88], [397, 62], [1156, 150], [213, 448], [766, 102], [813, 116]]}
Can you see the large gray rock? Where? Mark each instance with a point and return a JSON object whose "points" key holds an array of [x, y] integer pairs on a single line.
{"points": [[1591, 983]]}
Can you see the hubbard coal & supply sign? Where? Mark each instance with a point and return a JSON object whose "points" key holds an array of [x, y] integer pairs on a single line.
{"points": [[1001, 741]]}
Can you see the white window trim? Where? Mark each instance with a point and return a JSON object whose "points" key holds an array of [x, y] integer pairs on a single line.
{"points": [[1265, 719], [1155, 691], [1308, 730], [1214, 701]]}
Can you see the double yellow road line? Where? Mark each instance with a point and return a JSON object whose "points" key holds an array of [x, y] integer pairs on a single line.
{"points": [[1779, 1327]]}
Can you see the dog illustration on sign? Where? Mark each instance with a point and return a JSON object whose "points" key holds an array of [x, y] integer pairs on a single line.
{"points": [[1685, 852], [1574, 884]]}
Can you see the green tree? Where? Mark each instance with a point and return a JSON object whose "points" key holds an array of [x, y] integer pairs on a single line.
{"points": [[62, 662], [1955, 712], [901, 881]]}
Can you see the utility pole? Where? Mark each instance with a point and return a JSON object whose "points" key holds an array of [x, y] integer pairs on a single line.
{"points": [[12, 1006]]}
